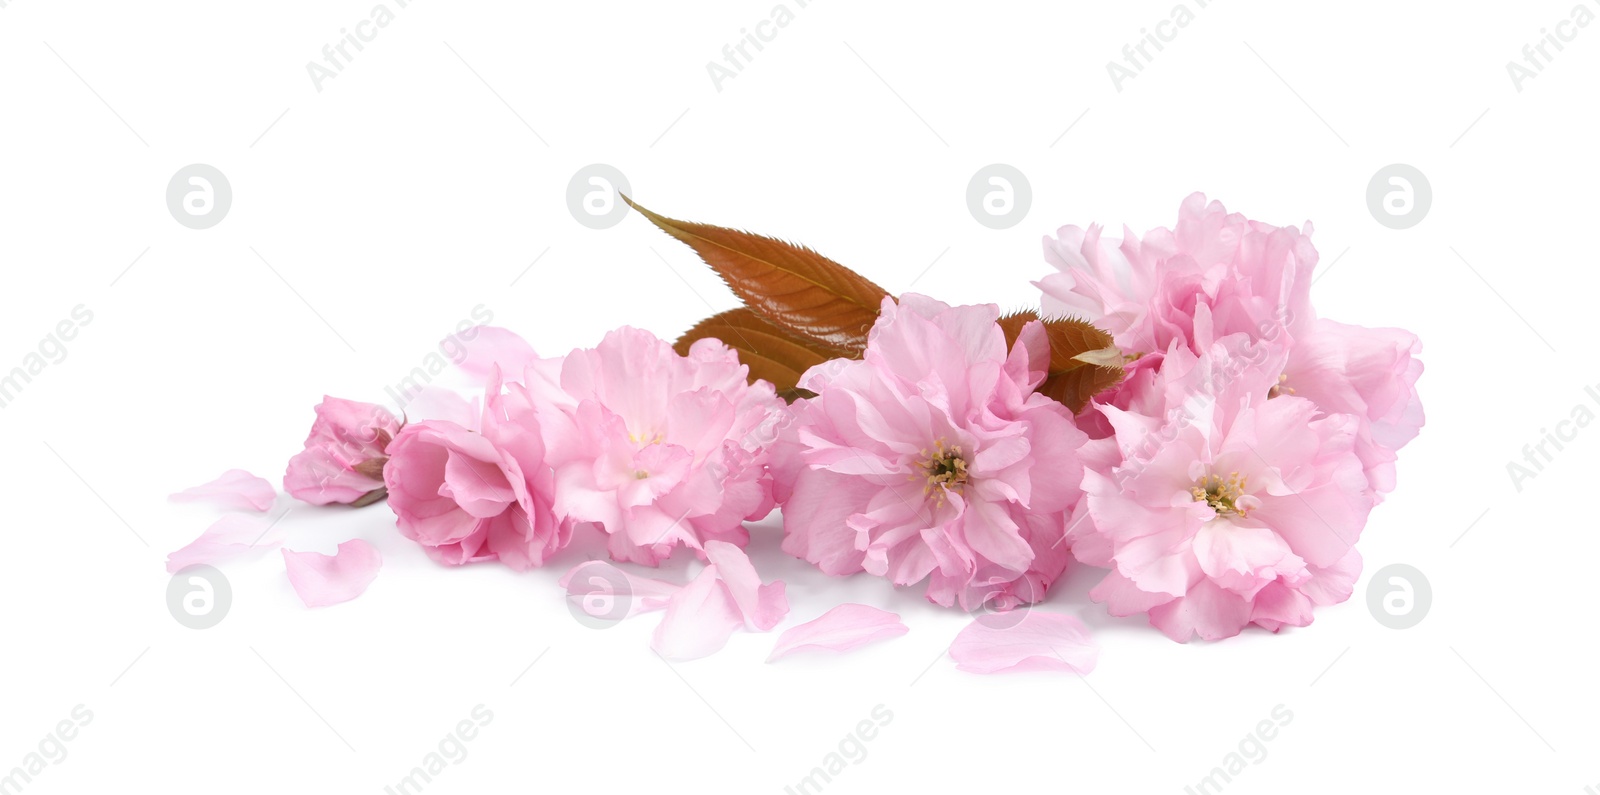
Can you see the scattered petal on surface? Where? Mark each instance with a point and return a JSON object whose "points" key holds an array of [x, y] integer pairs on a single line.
{"points": [[843, 628], [235, 489], [596, 585], [762, 606], [323, 580], [1033, 641], [700, 618], [230, 536]]}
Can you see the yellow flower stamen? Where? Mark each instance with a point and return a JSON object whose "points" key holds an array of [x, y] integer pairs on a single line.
{"points": [[1281, 388], [1222, 495], [944, 469]]}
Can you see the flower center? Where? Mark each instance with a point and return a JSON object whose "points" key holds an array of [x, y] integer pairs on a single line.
{"points": [[1222, 495], [1280, 388], [945, 469], [644, 441]]}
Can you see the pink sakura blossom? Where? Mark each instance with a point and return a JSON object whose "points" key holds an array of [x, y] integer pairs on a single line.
{"points": [[1219, 276], [473, 494], [932, 458], [1229, 504], [343, 458], [1369, 373], [1217, 273], [657, 449]]}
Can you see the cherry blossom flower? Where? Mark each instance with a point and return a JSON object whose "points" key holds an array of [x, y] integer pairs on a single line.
{"points": [[475, 494], [932, 458], [657, 449], [1233, 505], [343, 458], [1215, 276]]}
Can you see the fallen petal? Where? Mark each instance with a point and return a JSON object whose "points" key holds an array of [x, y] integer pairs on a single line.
{"points": [[603, 590], [1035, 641], [235, 489], [323, 580], [700, 618], [230, 536], [761, 606], [843, 628]]}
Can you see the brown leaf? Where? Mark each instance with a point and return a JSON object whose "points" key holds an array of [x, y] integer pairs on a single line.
{"points": [[771, 353], [790, 286], [1083, 360]]}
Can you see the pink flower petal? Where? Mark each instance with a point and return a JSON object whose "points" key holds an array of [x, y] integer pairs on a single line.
{"points": [[597, 585], [484, 348], [843, 628], [762, 606], [230, 536], [700, 618], [1035, 641], [438, 403], [236, 489], [323, 580]]}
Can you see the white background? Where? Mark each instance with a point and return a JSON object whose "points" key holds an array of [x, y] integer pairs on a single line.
{"points": [[425, 178]]}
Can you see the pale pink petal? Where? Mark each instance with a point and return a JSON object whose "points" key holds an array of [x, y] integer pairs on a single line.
{"points": [[236, 489], [481, 349], [843, 628], [323, 580], [1037, 641], [700, 618], [597, 585], [762, 606], [438, 403], [230, 536]]}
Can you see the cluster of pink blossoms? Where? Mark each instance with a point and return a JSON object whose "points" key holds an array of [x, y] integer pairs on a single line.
{"points": [[1235, 466], [1224, 482], [655, 449]]}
